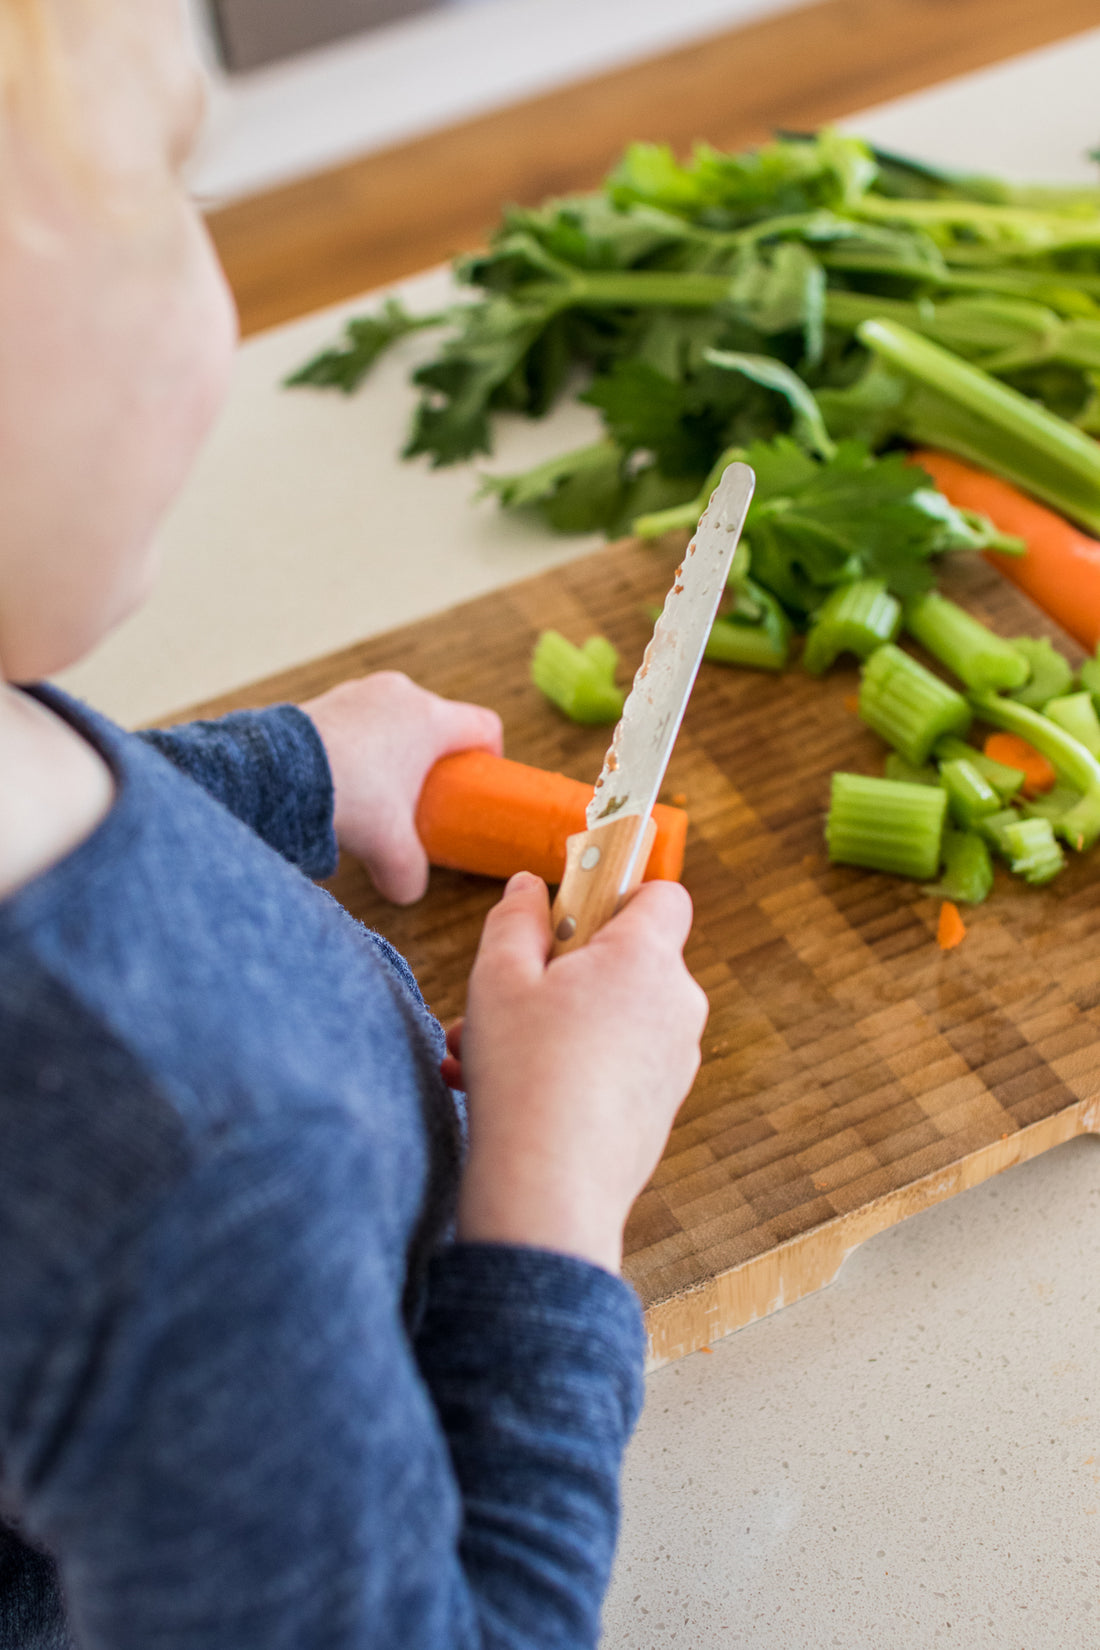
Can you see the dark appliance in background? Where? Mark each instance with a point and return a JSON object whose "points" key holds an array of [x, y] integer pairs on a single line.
{"points": [[252, 32]]}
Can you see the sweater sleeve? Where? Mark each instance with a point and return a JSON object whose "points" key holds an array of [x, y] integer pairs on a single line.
{"points": [[534, 1362], [270, 769], [253, 1453]]}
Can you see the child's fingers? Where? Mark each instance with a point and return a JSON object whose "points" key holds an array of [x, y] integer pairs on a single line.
{"points": [[660, 913], [399, 868], [450, 1070], [458, 726], [515, 940], [454, 1038]]}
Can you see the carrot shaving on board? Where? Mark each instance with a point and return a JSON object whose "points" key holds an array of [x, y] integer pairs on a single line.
{"points": [[951, 930], [1015, 752]]}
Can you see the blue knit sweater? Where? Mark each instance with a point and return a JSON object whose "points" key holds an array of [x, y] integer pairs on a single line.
{"points": [[251, 1398]]}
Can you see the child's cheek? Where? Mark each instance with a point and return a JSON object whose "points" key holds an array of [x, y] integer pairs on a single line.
{"points": [[215, 329]]}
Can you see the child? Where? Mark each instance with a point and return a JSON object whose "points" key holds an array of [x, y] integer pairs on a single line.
{"points": [[251, 1392]]}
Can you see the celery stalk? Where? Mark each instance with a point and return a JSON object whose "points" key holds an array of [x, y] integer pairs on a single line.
{"points": [[855, 618], [1006, 781], [579, 680], [1033, 852], [1077, 714], [685, 516], [757, 646], [1080, 827], [1089, 678], [967, 868], [907, 705], [970, 796], [1052, 805], [961, 408], [1051, 671], [898, 768], [885, 826], [992, 829], [965, 645]]}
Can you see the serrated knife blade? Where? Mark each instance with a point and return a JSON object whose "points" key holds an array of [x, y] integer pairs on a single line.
{"points": [[637, 757]]}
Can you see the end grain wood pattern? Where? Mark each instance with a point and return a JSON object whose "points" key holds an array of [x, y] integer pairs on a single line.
{"points": [[853, 1073]]}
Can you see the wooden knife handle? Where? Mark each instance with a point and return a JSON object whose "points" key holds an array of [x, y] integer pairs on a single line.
{"points": [[589, 894]]}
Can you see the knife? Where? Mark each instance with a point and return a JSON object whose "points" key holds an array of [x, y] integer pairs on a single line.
{"points": [[604, 864]]}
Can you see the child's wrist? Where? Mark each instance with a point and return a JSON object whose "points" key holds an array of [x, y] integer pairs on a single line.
{"points": [[539, 1211]]}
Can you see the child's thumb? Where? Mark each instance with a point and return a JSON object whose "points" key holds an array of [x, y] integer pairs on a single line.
{"points": [[516, 935]]}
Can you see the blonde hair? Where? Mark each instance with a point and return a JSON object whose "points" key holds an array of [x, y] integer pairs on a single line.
{"points": [[56, 59], [32, 59]]}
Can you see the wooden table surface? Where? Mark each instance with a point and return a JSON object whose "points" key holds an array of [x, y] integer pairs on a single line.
{"points": [[360, 225]]}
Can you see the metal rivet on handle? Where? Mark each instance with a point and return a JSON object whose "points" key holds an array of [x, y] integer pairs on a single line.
{"points": [[566, 928], [590, 858]]}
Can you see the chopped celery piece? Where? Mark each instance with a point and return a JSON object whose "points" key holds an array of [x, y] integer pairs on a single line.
{"points": [[1077, 714], [856, 618], [579, 680], [970, 796], [898, 768], [1032, 851], [759, 646], [1005, 781], [1080, 827], [885, 825], [602, 654], [1051, 672], [907, 705], [967, 868], [1053, 805], [993, 827], [965, 645], [1089, 678], [756, 631]]}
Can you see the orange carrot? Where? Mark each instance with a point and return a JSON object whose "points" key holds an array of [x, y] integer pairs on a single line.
{"points": [[485, 814], [1015, 752], [951, 930], [1060, 570]]}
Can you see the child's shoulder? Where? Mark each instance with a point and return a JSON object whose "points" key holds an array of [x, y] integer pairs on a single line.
{"points": [[57, 789]]}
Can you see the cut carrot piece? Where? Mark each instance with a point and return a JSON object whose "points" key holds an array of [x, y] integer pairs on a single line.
{"points": [[482, 813], [951, 930], [851, 703], [1060, 570], [1015, 752]]}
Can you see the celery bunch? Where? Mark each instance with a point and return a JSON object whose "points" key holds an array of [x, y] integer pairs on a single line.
{"points": [[682, 298]]}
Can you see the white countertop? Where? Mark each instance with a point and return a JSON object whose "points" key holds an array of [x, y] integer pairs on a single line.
{"points": [[911, 1457]]}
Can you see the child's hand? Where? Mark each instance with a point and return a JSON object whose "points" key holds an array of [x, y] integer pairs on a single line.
{"points": [[574, 1069], [381, 734]]}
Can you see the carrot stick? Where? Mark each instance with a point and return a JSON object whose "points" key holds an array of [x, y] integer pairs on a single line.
{"points": [[1017, 753], [485, 814], [1060, 570], [951, 930]]}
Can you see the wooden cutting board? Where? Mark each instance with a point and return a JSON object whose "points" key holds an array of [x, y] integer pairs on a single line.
{"points": [[853, 1073]]}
